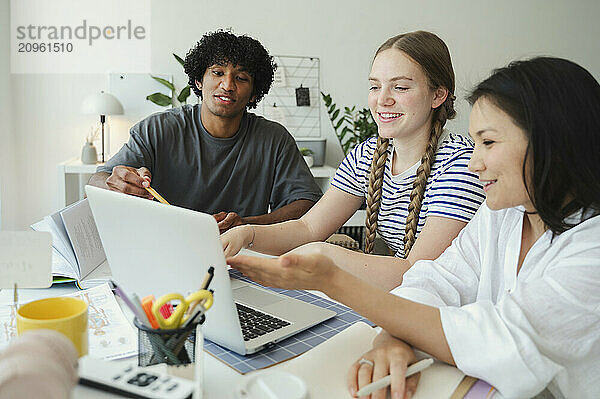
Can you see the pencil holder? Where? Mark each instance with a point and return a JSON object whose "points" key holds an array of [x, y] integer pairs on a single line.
{"points": [[173, 347]]}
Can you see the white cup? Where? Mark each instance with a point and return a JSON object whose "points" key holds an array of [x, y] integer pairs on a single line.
{"points": [[272, 384]]}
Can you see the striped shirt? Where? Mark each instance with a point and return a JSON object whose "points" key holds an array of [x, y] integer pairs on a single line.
{"points": [[451, 191]]}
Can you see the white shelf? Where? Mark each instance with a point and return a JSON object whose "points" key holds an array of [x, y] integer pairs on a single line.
{"points": [[324, 171], [73, 176], [75, 166]]}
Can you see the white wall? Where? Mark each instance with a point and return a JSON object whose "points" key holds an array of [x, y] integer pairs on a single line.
{"points": [[48, 128], [8, 187]]}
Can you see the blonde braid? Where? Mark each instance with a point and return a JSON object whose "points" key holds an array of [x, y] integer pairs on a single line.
{"points": [[374, 192], [444, 112]]}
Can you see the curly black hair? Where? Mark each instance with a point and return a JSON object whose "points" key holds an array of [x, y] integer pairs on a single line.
{"points": [[222, 48]]}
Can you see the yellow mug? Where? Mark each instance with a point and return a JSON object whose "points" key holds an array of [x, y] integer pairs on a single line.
{"points": [[66, 315]]}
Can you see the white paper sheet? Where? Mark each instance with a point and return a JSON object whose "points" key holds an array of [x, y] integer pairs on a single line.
{"points": [[81, 229], [279, 77], [61, 267], [111, 336], [99, 275], [60, 239]]}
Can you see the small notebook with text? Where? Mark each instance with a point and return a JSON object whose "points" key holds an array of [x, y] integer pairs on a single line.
{"points": [[77, 251]]}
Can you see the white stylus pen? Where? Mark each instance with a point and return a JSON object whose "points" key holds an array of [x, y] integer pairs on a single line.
{"points": [[387, 380]]}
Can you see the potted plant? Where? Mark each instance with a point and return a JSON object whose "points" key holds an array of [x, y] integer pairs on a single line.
{"points": [[162, 99], [308, 156], [351, 126]]}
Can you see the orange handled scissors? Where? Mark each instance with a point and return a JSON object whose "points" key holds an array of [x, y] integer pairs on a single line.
{"points": [[178, 317]]}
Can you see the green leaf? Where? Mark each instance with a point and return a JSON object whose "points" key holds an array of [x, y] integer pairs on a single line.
{"points": [[178, 58], [185, 93], [346, 147], [356, 125], [160, 99], [343, 133], [164, 82], [335, 115]]}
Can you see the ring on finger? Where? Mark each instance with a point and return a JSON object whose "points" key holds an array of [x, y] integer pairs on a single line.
{"points": [[366, 361]]}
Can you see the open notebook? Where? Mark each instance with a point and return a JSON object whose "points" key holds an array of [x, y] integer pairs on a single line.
{"points": [[324, 370], [77, 251]]}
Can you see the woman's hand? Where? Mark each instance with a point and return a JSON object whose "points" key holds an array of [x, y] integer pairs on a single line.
{"points": [[235, 239], [290, 271], [390, 356]]}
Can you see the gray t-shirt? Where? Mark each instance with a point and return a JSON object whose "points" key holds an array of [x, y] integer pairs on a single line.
{"points": [[257, 167]]}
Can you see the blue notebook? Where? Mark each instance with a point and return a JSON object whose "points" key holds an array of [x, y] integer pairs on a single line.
{"points": [[292, 346]]}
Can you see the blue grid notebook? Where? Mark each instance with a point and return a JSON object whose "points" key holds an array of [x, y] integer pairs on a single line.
{"points": [[292, 346]]}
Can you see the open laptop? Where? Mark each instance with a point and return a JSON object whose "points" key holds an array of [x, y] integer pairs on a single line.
{"points": [[153, 248]]}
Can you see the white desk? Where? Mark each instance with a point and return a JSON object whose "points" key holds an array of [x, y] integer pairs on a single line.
{"points": [[74, 175], [219, 379]]}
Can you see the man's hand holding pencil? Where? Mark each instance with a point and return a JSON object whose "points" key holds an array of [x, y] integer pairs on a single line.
{"points": [[128, 180]]}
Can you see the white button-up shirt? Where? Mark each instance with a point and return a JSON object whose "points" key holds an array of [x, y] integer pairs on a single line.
{"points": [[518, 333]]}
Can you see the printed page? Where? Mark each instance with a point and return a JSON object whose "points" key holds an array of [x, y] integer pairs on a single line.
{"points": [[111, 336], [8, 324], [99, 275], [60, 239], [81, 228], [61, 267]]}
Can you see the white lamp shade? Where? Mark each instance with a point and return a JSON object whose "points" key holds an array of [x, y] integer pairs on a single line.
{"points": [[102, 104]]}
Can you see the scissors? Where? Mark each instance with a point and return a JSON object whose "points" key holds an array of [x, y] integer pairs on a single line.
{"points": [[178, 317]]}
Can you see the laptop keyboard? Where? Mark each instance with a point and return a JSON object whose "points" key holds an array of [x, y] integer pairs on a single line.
{"points": [[255, 323]]}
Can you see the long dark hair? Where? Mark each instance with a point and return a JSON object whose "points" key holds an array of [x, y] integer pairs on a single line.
{"points": [[557, 103]]}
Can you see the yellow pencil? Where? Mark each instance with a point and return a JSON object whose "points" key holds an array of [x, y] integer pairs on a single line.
{"points": [[156, 195]]}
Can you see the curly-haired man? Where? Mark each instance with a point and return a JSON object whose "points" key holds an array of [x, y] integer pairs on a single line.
{"points": [[216, 157]]}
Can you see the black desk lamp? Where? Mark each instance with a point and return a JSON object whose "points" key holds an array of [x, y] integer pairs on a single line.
{"points": [[102, 104]]}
